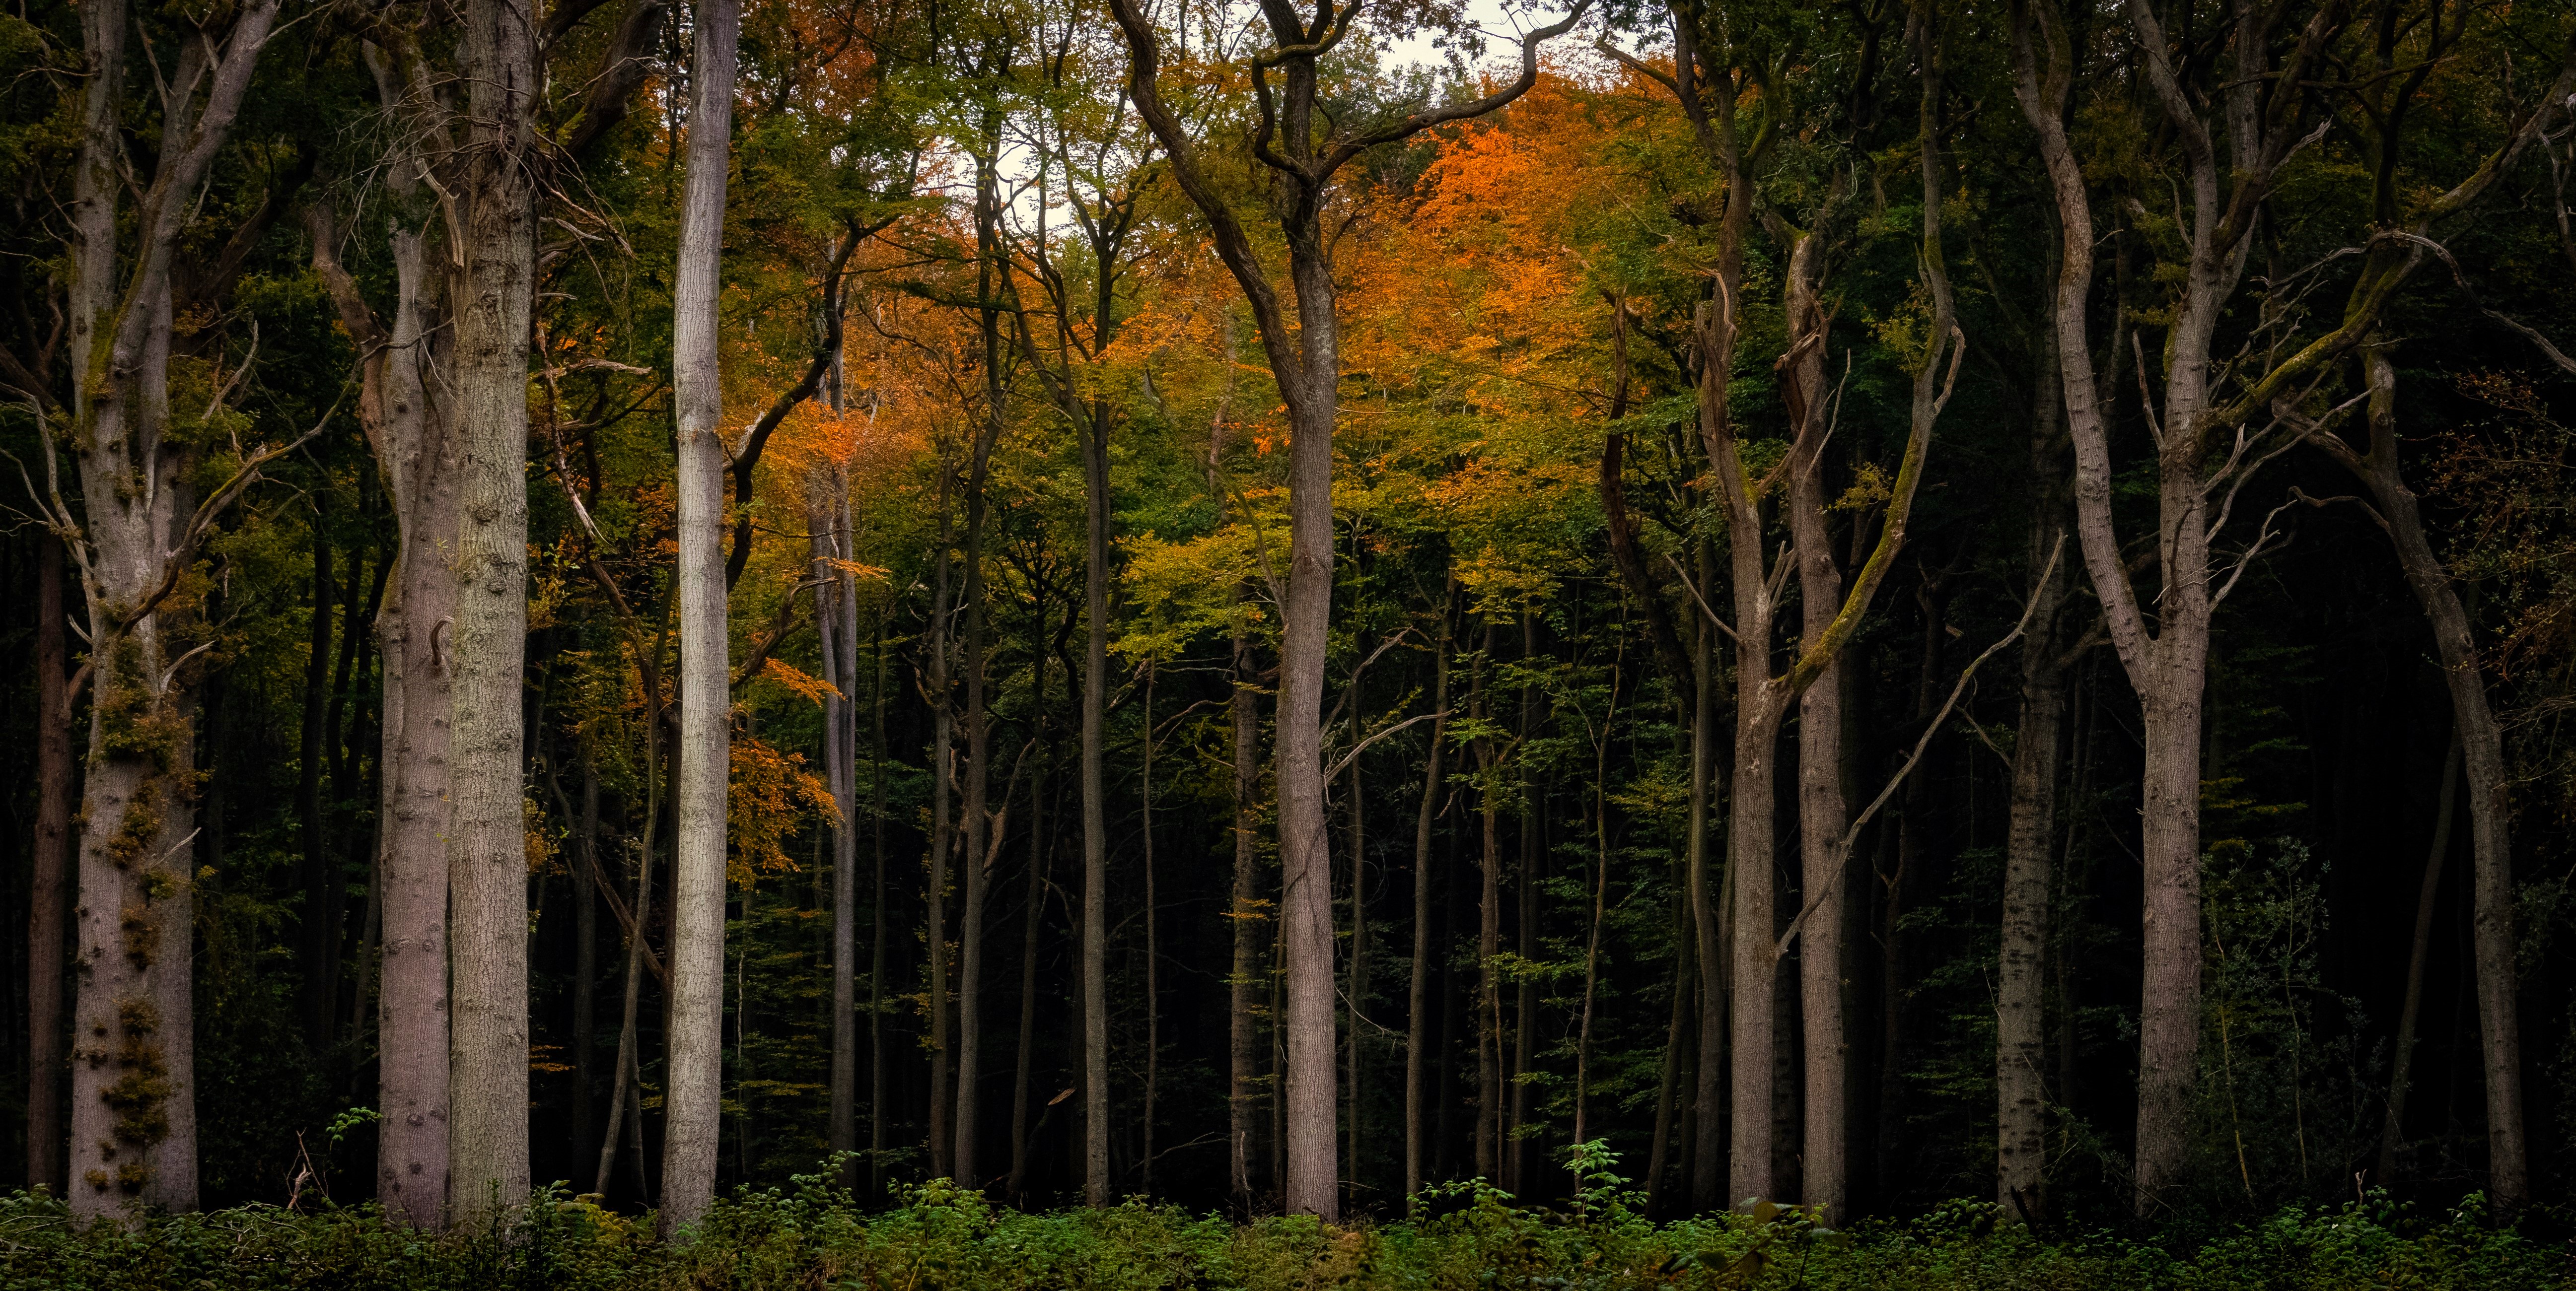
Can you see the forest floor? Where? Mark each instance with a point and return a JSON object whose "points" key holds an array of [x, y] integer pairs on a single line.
{"points": [[937, 1237]]}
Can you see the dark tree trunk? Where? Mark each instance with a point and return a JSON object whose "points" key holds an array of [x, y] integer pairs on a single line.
{"points": [[49, 880]]}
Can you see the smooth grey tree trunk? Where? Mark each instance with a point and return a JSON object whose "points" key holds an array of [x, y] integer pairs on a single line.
{"points": [[693, 1100], [838, 625], [2021, 987], [977, 818], [404, 406], [1095, 816], [943, 838], [1822, 812], [1533, 825], [487, 843], [1418, 1001], [1489, 930], [1032, 920], [1244, 978], [1711, 912]]}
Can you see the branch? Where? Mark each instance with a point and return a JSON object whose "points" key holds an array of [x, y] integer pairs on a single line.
{"points": [[1842, 849], [758, 437], [1421, 121]]}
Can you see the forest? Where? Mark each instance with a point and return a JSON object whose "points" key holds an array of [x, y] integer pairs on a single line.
{"points": [[1772, 620]]}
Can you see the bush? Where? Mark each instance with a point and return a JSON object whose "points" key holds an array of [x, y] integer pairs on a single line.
{"points": [[1469, 1237]]}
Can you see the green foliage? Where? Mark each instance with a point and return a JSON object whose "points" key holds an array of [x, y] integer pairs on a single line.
{"points": [[1467, 1237]]}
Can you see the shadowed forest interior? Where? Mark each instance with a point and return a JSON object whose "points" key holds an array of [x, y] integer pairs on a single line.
{"points": [[1271, 607]]}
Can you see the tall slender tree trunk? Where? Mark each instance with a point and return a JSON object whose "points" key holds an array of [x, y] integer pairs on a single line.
{"points": [[1600, 813], [977, 817], [49, 887], [1153, 943], [943, 839], [1417, 996], [1822, 811], [487, 848], [877, 926], [1095, 817], [2021, 990], [2481, 744], [585, 961], [417, 445], [1525, 928], [1356, 990], [1489, 934], [318, 923], [838, 625], [2392, 1135], [622, 1104], [1673, 1119], [1245, 983], [1033, 907], [693, 1103], [1305, 851], [1712, 922]]}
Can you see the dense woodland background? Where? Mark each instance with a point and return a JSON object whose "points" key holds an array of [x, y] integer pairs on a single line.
{"points": [[1007, 552]]}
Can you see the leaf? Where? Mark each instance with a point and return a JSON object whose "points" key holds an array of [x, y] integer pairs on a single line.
{"points": [[813, 688]]}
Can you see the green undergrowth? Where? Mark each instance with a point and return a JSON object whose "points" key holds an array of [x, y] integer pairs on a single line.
{"points": [[812, 1238]]}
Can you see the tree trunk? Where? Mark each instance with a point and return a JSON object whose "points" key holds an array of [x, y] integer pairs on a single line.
{"points": [[133, 1097], [877, 929], [1712, 923], [1244, 982], [318, 923], [1489, 934], [2392, 1136], [585, 972], [487, 850], [1033, 906], [49, 887], [1672, 1115], [1417, 995], [977, 818], [1153, 946], [1600, 812], [1357, 988], [838, 624], [1305, 853], [2021, 1093], [1822, 812], [943, 783], [1525, 995], [693, 1101], [417, 446], [1095, 817], [622, 1098], [2481, 759]]}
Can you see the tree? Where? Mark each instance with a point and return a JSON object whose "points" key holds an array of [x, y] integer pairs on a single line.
{"points": [[133, 1110], [706, 700], [1306, 364]]}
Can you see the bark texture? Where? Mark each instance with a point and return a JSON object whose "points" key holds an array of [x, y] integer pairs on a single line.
{"points": [[693, 1101], [487, 849], [2021, 988]]}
